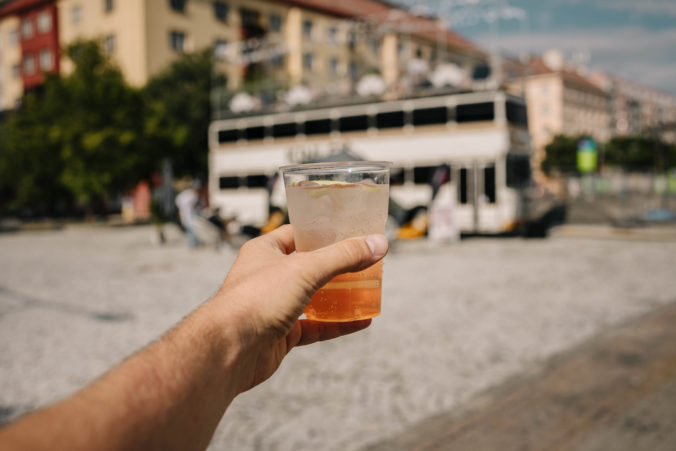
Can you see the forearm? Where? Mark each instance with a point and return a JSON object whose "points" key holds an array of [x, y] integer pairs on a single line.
{"points": [[171, 395]]}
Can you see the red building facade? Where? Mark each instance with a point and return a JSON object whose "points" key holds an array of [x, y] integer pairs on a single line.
{"points": [[38, 37]]}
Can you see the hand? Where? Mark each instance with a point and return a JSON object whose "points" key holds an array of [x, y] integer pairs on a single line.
{"points": [[269, 287]]}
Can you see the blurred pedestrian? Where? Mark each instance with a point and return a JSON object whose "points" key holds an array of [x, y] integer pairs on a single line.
{"points": [[172, 394], [187, 203]]}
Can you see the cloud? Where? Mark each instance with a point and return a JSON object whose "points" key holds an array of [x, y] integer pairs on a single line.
{"points": [[645, 56], [659, 7]]}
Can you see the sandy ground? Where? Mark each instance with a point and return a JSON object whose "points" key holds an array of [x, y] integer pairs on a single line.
{"points": [[456, 320]]}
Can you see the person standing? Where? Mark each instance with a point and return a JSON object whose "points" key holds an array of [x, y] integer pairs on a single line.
{"points": [[187, 202]]}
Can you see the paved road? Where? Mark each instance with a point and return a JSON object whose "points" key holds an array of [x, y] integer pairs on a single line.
{"points": [[457, 320], [616, 391]]}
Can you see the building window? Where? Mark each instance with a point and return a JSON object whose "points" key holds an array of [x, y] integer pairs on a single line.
{"points": [[14, 36], [275, 22], [375, 46], [76, 14], [277, 60], [177, 5], [221, 10], [109, 44], [351, 40], [308, 60], [221, 49], [28, 64], [354, 71], [44, 22], [27, 29], [333, 35], [16, 71], [108, 5], [177, 41], [333, 66], [46, 60], [307, 28]]}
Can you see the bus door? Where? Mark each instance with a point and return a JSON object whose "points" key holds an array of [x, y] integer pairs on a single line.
{"points": [[468, 195], [477, 196]]}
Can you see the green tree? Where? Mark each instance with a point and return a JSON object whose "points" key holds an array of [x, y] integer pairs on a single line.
{"points": [[178, 101], [30, 161], [640, 153], [561, 155], [100, 130], [81, 138]]}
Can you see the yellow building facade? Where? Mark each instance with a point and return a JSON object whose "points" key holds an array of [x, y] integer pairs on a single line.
{"points": [[286, 43]]}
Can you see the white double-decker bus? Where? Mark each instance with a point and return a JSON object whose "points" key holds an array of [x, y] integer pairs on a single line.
{"points": [[480, 139]]}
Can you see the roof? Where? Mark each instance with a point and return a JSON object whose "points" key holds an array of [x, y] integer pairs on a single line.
{"points": [[537, 66], [20, 6], [383, 13]]}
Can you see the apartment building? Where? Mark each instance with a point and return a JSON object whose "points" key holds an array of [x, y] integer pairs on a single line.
{"points": [[29, 47], [637, 109], [561, 100], [290, 42]]}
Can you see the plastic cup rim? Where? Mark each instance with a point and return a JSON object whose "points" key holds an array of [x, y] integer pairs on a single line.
{"points": [[329, 166]]}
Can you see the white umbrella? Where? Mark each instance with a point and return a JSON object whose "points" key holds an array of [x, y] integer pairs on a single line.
{"points": [[371, 85], [241, 103], [298, 95], [447, 75]]}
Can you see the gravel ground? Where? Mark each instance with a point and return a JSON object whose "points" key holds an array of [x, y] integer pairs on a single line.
{"points": [[456, 320]]}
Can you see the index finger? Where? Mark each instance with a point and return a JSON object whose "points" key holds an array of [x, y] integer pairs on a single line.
{"points": [[282, 239]]}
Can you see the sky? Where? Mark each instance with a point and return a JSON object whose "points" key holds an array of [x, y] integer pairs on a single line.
{"points": [[631, 39]]}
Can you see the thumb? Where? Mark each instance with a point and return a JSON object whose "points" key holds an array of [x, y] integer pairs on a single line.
{"points": [[351, 255]]}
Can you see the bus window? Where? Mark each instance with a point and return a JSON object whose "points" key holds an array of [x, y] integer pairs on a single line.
{"points": [[423, 174], [475, 112], [489, 184], [256, 181], [227, 136], [353, 123], [228, 182], [390, 119], [518, 171], [318, 127], [251, 133], [462, 192], [516, 114], [285, 129], [396, 176], [428, 116]]}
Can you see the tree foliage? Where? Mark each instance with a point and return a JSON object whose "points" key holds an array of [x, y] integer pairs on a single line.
{"points": [[100, 131], [640, 153], [178, 100], [632, 153], [561, 155], [30, 161], [88, 137]]}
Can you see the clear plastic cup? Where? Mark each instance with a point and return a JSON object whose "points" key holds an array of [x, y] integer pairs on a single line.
{"points": [[329, 202]]}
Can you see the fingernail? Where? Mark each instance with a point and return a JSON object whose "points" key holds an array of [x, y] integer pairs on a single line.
{"points": [[377, 244]]}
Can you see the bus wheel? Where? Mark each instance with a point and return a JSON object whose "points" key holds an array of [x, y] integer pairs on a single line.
{"points": [[536, 229]]}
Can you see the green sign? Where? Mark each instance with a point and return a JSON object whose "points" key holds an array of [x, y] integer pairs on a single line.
{"points": [[586, 155]]}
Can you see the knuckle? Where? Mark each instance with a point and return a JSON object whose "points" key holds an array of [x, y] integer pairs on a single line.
{"points": [[247, 247]]}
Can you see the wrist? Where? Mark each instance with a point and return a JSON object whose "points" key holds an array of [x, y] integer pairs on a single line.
{"points": [[233, 344]]}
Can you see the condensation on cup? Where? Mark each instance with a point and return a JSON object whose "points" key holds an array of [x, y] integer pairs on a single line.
{"points": [[329, 202]]}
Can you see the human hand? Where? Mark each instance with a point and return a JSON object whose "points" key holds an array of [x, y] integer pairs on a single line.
{"points": [[268, 288]]}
